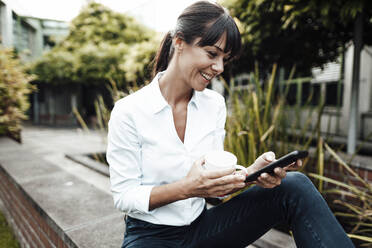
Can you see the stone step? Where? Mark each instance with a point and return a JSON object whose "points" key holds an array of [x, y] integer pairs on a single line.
{"points": [[275, 239]]}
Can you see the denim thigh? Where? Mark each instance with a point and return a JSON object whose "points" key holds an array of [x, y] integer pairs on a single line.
{"points": [[245, 218], [140, 233]]}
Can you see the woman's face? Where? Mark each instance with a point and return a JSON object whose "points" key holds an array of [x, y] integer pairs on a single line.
{"points": [[198, 65]]}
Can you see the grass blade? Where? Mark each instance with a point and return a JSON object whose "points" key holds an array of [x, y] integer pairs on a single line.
{"points": [[340, 161], [364, 238]]}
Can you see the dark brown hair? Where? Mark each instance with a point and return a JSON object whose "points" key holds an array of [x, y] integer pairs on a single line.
{"points": [[201, 19]]}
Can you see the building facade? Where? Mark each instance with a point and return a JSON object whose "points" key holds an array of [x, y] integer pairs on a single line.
{"points": [[30, 37]]}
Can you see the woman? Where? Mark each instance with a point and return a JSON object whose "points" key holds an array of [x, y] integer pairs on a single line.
{"points": [[159, 135]]}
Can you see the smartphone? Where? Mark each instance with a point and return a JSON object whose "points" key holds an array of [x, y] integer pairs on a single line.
{"points": [[281, 162]]}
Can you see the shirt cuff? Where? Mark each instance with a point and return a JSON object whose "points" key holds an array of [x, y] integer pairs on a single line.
{"points": [[143, 198]]}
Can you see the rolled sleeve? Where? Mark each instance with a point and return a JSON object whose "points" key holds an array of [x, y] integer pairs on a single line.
{"points": [[124, 156]]}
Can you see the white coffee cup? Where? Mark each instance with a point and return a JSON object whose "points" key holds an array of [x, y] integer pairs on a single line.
{"points": [[221, 160]]}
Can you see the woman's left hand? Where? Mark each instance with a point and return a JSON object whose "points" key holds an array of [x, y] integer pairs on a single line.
{"points": [[267, 180]]}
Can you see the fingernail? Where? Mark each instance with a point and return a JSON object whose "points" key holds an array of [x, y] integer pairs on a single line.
{"points": [[270, 157]]}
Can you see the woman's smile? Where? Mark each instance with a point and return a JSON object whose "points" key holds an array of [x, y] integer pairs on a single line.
{"points": [[207, 77]]}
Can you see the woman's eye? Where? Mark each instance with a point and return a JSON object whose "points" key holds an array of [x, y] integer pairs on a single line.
{"points": [[212, 54]]}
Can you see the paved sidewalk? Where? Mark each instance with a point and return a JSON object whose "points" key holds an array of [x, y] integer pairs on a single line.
{"points": [[52, 144]]}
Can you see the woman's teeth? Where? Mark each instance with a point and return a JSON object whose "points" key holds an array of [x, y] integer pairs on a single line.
{"points": [[206, 76]]}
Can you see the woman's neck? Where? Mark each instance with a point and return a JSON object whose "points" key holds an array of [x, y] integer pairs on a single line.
{"points": [[173, 89]]}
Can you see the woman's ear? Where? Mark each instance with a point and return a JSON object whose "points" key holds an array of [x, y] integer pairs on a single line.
{"points": [[178, 43]]}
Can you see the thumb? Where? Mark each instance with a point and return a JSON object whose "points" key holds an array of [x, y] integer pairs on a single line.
{"points": [[265, 158]]}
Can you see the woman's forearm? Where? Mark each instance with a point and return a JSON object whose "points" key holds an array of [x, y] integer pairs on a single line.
{"points": [[164, 194]]}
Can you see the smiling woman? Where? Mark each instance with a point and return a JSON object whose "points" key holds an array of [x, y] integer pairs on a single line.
{"points": [[159, 135]]}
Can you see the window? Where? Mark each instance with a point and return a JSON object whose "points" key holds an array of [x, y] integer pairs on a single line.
{"points": [[48, 42], [334, 93], [307, 93]]}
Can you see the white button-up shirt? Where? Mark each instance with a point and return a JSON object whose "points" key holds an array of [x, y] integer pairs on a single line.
{"points": [[144, 150]]}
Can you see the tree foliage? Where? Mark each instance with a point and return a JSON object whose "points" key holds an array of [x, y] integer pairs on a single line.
{"points": [[14, 89], [102, 45], [305, 33]]}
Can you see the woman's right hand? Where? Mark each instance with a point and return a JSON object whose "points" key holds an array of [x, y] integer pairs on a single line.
{"points": [[200, 182]]}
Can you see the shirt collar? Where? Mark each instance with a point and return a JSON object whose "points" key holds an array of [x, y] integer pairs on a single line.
{"points": [[159, 102], [195, 99]]}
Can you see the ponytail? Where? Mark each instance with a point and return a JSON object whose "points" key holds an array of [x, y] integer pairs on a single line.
{"points": [[163, 55]]}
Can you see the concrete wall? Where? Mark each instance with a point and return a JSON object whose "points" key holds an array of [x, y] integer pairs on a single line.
{"points": [[37, 46], [6, 25], [32, 228], [24, 39], [25, 33]]}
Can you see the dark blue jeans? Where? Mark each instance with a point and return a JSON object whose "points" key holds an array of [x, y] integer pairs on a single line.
{"points": [[246, 217]]}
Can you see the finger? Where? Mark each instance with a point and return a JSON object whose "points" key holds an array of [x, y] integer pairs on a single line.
{"points": [[269, 156], [212, 174], [265, 158], [229, 188], [264, 179], [229, 179], [241, 172], [288, 167], [299, 163], [280, 172], [269, 180], [294, 166], [221, 190], [264, 184]]}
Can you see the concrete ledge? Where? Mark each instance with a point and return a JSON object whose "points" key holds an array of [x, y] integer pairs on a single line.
{"points": [[90, 163], [52, 208]]}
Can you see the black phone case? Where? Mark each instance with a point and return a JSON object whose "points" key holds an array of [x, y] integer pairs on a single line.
{"points": [[281, 162]]}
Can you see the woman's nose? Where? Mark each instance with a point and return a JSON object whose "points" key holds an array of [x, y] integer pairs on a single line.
{"points": [[218, 66]]}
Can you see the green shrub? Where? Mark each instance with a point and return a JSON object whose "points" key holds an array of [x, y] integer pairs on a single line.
{"points": [[102, 45], [356, 210], [14, 88], [259, 121]]}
